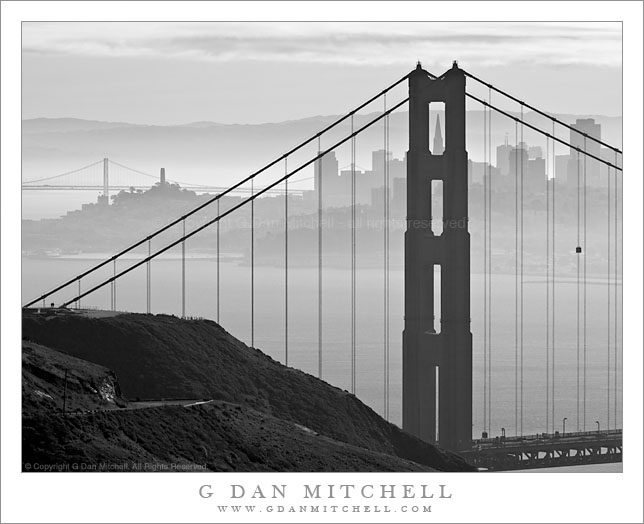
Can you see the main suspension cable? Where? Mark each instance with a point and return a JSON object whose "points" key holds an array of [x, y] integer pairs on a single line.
{"points": [[554, 119], [223, 193], [241, 204], [534, 128], [26, 182]]}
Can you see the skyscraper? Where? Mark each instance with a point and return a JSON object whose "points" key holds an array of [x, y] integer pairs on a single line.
{"points": [[535, 152], [519, 160], [503, 157], [327, 167], [561, 168], [438, 147], [579, 162]]}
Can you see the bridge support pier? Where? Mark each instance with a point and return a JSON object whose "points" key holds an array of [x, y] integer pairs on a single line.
{"points": [[106, 182], [437, 366]]}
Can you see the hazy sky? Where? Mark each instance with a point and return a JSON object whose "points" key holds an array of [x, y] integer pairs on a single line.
{"points": [[172, 73]]}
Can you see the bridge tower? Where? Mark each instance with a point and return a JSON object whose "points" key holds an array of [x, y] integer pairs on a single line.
{"points": [[437, 366], [106, 181]]}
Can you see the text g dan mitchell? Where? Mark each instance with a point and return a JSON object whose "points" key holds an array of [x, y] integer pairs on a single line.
{"points": [[328, 491]]}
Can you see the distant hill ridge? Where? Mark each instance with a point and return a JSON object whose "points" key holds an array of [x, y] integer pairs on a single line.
{"points": [[62, 124], [221, 154]]}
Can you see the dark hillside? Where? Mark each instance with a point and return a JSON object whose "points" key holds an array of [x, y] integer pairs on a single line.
{"points": [[102, 431], [165, 357], [88, 386], [218, 436]]}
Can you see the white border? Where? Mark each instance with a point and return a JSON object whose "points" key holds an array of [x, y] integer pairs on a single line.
{"points": [[173, 498]]}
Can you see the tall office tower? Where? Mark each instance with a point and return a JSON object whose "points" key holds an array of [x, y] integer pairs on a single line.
{"points": [[519, 160], [503, 157], [581, 163], [439, 147], [327, 167], [535, 152]]}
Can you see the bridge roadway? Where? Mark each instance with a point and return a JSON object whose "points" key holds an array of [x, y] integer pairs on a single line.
{"points": [[546, 450], [196, 189]]}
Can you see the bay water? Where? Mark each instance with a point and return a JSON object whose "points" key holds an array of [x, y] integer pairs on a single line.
{"points": [[517, 410]]}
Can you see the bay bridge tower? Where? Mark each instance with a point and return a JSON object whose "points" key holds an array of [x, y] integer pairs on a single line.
{"points": [[437, 358]]}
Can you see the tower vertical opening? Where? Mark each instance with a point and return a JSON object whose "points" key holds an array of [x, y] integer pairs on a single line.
{"points": [[436, 129], [437, 207], [437, 371], [437, 298]]}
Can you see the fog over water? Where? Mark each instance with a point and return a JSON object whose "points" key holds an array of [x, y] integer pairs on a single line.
{"points": [[235, 297]]}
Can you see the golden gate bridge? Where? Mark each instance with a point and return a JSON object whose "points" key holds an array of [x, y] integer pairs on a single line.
{"points": [[437, 357]]}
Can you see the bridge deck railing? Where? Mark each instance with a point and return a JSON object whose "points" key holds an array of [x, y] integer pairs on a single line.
{"points": [[548, 436]]}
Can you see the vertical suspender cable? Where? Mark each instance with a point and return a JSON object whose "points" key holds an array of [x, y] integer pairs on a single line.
{"points": [[521, 267], [148, 279], [385, 229], [489, 265], [554, 277], [387, 325], [516, 278], [353, 260], [584, 288], [578, 251], [608, 315], [485, 262], [547, 284], [615, 328], [252, 264], [114, 285], [319, 163], [183, 271], [286, 262], [218, 259], [78, 302]]}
